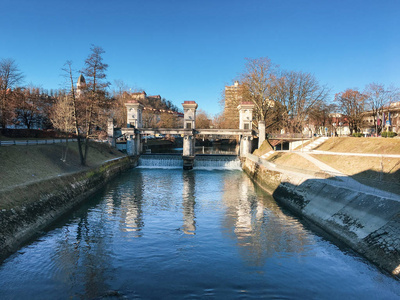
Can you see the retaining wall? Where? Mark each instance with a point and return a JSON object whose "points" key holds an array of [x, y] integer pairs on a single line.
{"points": [[369, 224], [39, 204]]}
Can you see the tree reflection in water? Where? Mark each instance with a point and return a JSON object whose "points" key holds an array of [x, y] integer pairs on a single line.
{"points": [[261, 228]]}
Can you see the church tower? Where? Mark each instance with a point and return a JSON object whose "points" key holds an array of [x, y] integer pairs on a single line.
{"points": [[80, 85]]}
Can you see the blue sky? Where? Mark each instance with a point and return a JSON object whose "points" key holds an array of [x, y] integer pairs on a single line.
{"points": [[189, 50]]}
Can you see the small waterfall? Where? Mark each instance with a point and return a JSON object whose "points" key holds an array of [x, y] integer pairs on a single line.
{"points": [[201, 162], [209, 162], [165, 161]]}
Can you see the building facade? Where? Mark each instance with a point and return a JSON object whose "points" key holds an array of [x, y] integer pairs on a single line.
{"points": [[387, 120], [232, 99]]}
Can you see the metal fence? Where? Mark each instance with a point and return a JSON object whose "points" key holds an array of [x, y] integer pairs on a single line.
{"points": [[35, 142]]}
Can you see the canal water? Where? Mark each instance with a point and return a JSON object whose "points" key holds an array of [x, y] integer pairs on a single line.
{"points": [[171, 234]]}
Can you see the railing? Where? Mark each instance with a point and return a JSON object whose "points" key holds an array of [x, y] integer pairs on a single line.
{"points": [[35, 142], [288, 136]]}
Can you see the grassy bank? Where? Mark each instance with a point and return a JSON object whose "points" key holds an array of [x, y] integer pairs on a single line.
{"points": [[380, 172], [21, 165], [362, 145]]}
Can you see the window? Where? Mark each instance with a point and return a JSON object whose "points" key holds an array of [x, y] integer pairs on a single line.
{"points": [[189, 125], [246, 126]]}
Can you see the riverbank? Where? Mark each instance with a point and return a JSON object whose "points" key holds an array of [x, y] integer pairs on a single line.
{"points": [[364, 220], [25, 164], [27, 206]]}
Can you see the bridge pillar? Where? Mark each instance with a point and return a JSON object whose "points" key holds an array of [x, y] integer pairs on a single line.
{"points": [[110, 132], [133, 144], [188, 151], [245, 145], [188, 145], [261, 133]]}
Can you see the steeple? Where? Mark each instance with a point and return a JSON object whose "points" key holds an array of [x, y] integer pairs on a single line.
{"points": [[80, 85], [81, 82]]}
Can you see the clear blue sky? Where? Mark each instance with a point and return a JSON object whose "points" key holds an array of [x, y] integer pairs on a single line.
{"points": [[189, 50]]}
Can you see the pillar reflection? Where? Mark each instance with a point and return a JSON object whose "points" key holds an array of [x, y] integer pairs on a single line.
{"points": [[130, 207], [188, 203]]}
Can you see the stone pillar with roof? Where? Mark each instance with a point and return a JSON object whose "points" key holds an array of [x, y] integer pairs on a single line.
{"points": [[134, 121], [245, 124], [189, 123], [134, 114]]}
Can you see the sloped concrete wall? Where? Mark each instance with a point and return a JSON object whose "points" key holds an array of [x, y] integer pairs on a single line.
{"points": [[367, 223]]}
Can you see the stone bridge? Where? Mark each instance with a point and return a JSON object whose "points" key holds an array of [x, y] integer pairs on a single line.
{"points": [[134, 130]]}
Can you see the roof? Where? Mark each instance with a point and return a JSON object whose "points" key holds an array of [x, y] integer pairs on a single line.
{"points": [[81, 80]]}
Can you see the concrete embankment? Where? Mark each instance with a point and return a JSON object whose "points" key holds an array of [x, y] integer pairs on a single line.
{"points": [[368, 222], [41, 203]]}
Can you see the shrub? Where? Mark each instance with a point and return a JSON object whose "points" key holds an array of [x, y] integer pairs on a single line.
{"points": [[358, 134], [389, 134]]}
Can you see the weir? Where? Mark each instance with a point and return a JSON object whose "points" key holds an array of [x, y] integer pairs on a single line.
{"points": [[134, 131], [203, 161]]}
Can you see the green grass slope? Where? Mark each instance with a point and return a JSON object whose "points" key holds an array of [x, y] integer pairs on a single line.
{"points": [[20, 165]]}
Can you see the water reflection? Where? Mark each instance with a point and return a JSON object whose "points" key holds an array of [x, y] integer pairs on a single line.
{"points": [[188, 203], [132, 241], [126, 205], [259, 226], [82, 256]]}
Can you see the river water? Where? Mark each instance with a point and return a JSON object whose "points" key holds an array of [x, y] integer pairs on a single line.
{"points": [[170, 234]]}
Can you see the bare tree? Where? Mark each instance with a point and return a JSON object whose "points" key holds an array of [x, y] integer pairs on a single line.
{"points": [[257, 81], [95, 96], [352, 104], [320, 115], [62, 118], [167, 120], [31, 107], [10, 76], [149, 118], [202, 120], [120, 95], [218, 121], [379, 97], [72, 95], [297, 93], [92, 104]]}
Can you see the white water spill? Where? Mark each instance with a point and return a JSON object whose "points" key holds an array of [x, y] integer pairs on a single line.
{"points": [[161, 161], [202, 162], [212, 162]]}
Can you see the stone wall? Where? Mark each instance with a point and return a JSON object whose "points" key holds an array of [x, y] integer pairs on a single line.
{"points": [[39, 204], [369, 224]]}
